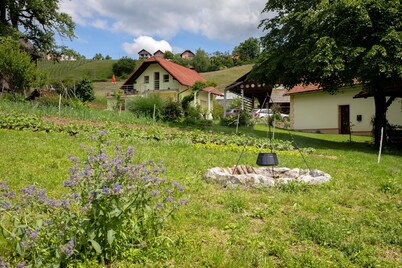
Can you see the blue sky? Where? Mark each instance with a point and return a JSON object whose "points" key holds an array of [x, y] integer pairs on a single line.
{"points": [[124, 27]]}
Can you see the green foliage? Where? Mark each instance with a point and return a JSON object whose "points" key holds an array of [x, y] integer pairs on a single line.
{"points": [[217, 110], [84, 90], [113, 207], [147, 105], [39, 20], [98, 56], [200, 62], [16, 67], [172, 111], [248, 50], [124, 66], [242, 119]]}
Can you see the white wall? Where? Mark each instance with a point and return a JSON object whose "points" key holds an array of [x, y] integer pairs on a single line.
{"points": [[320, 111]]}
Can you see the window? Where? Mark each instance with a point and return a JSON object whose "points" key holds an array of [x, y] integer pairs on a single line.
{"points": [[146, 79], [166, 78]]}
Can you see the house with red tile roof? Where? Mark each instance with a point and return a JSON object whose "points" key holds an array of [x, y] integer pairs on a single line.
{"points": [[313, 110], [187, 55], [170, 81]]}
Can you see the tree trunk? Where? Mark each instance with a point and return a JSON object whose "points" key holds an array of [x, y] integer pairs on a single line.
{"points": [[380, 119]]}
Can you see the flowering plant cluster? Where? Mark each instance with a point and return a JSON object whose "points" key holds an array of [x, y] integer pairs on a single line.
{"points": [[112, 207]]}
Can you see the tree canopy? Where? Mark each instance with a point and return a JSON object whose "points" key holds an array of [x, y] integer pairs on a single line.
{"points": [[36, 22], [248, 50], [17, 72], [333, 44]]}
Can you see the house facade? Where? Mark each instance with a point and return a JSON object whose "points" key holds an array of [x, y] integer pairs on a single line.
{"points": [[143, 54], [187, 55], [313, 110], [170, 81]]}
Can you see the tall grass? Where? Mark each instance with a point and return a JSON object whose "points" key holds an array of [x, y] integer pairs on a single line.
{"points": [[80, 112]]}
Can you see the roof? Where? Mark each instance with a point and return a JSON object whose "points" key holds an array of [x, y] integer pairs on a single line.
{"points": [[187, 51], [213, 91], [143, 50], [158, 52], [278, 96], [303, 89], [183, 75]]}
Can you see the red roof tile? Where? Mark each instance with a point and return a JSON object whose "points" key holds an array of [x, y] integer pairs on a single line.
{"points": [[213, 91], [183, 75], [303, 89]]}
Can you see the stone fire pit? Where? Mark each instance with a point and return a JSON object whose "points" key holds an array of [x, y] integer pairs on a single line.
{"points": [[262, 176]]}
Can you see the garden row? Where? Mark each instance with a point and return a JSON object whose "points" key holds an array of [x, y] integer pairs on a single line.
{"points": [[20, 121]]}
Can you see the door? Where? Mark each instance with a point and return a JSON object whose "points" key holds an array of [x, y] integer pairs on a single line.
{"points": [[344, 119], [156, 79]]}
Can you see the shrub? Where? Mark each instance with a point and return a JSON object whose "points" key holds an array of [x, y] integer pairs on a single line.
{"points": [[172, 111], [145, 106], [115, 208], [244, 119], [85, 91], [124, 66]]}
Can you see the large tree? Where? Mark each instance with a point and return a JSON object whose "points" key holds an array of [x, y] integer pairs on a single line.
{"points": [[335, 43], [35, 22], [17, 72]]}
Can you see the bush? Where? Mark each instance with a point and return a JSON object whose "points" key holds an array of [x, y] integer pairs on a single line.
{"points": [[115, 208], [85, 91], [244, 119], [124, 66], [172, 111], [144, 106]]}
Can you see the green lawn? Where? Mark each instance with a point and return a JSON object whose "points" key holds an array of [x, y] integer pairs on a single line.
{"points": [[353, 221]]}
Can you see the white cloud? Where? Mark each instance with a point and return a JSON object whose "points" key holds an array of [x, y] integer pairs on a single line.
{"points": [[148, 43], [232, 20]]}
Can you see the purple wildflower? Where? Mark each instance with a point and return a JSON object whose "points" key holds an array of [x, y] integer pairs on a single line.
{"points": [[106, 190], [117, 189], [51, 202], [102, 132], [183, 201], [169, 199], [3, 186], [155, 192], [20, 265], [130, 151], [158, 205]]}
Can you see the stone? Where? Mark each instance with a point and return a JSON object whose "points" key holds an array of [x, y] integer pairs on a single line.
{"points": [[251, 177]]}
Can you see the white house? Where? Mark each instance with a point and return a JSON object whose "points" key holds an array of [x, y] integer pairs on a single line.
{"points": [[170, 81], [313, 110]]}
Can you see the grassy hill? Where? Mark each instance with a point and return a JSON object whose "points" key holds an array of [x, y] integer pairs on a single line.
{"points": [[96, 70], [227, 76], [101, 71]]}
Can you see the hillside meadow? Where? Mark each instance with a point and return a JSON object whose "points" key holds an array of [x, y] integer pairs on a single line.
{"points": [[355, 220]]}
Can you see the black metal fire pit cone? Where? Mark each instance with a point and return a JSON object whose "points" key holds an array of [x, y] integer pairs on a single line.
{"points": [[267, 159]]}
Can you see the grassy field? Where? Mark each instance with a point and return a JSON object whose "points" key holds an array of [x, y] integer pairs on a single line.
{"points": [[353, 221], [96, 70], [225, 77]]}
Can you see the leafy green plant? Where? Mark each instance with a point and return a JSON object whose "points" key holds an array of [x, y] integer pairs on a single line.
{"points": [[390, 187], [172, 111], [85, 91], [114, 206], [147, 105]]}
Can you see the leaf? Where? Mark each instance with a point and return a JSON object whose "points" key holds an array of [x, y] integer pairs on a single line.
{"points": [[96, 246], [110, 236]]}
